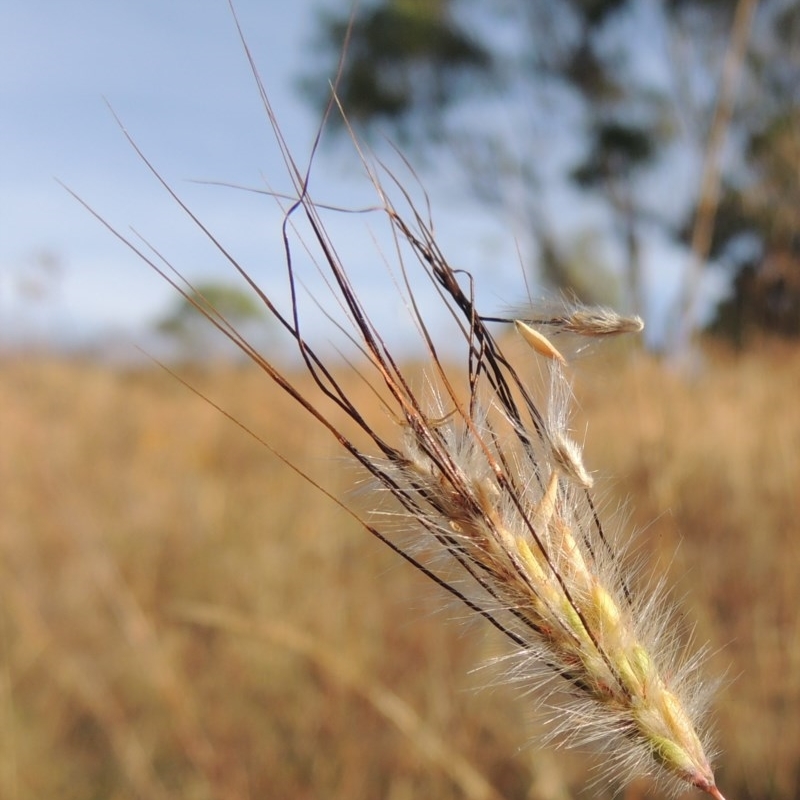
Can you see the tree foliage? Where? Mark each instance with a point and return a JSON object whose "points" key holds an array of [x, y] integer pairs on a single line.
{"points": [[404, 57], [187, 326], [757, 234], [609, 97]]}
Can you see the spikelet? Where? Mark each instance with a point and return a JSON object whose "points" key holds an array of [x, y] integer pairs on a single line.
{"points": [[538, 341], [487, 494], [581, 320]]}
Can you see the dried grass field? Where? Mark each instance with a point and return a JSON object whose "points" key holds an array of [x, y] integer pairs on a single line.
{"points": [[184, 616]]}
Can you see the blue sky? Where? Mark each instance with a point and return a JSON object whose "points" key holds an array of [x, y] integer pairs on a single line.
{"points": [[176, 75]]}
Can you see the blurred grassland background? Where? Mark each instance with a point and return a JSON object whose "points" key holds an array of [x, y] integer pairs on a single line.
{"points": [[183, 616]]}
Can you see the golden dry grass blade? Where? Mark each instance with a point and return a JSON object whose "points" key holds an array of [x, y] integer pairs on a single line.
{"points": [[387, 703]]}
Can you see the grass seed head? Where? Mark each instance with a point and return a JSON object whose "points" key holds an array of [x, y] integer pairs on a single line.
{"points": [[601, 321], [491, 494], [566, 316]]}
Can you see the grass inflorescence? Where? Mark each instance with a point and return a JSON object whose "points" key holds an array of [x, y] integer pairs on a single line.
{"points": [[480, 484]]}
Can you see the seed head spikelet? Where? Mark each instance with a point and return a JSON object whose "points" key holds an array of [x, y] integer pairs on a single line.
{"points": [[573, 318], [538, 341], [484, 488]]}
